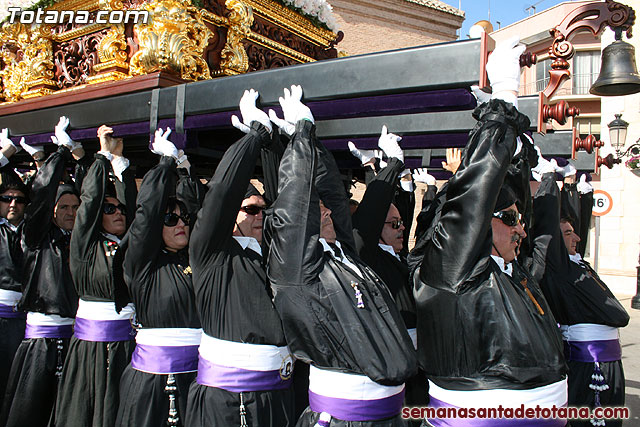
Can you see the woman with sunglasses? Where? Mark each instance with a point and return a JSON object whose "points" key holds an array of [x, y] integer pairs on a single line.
{"points": [[245, 369], [154, 386], [103, 337], [378, 233]]}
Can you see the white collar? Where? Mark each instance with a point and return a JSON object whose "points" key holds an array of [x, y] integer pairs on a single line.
{"points": [[576, 258], [327, 248], [111, 237], [507, 269], [388, 248], [344, 260], [4, 220], [249, 242]]}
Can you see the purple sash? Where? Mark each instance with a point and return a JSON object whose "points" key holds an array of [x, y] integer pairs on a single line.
{"points": [[48, 331], [238, 380], [9, 312], [489, 422], [593, 351], [165, 359], [103, 330], [357, 410]]}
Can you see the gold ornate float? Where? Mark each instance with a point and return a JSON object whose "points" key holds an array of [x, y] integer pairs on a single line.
{"points": [[181, 40]]}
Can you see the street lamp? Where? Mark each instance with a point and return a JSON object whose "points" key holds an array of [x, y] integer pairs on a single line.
{"points": [[618, 133], [617, 136]]}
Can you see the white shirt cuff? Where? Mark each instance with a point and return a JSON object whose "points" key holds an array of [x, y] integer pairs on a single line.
{"points": [[119, 164]]}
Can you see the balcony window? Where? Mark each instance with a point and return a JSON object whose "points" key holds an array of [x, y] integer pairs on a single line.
{"points": [[542, 74], [586, 67]]}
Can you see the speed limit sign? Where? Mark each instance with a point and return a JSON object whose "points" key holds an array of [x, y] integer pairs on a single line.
{"points": [[602, 203]]}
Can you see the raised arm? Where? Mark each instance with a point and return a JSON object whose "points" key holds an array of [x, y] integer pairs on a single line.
{"points": [[126, 190], [462, 236], [214, 228], [39, 213], [548, 245], [293, 228], [333, 194], [190, 189], [89, 216], [270, 156], [145, 233], [368, 219]]}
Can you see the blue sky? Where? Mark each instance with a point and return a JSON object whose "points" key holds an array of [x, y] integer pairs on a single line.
{"points": [[505, 11]]}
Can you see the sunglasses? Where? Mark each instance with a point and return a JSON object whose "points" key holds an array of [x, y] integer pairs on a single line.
{"points": [[9, 199], [110, 208], [252, 209], [509, 218], [395, 224], [171, 219]]}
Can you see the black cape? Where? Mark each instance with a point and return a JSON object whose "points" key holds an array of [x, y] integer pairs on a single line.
{"points": [[232, 296], [477, 327]]}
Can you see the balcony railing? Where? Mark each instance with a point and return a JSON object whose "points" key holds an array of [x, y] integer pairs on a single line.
{"points": [[580, 85]]}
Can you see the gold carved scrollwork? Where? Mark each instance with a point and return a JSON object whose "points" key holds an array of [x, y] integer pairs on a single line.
{"points": [[27, 57], [112, 52], [173, 40], [234, 56], [111, 4]]}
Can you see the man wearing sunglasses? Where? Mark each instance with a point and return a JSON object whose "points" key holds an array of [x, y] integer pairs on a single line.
{"points": [[102, 342], [12, 204], [486, 336], [48, 295], [245, 368], [587, 311]]}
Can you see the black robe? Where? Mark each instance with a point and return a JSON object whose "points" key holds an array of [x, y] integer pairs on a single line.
{"points": [[88, 392], [160, 285], [313, 292], [576, 295], [478, 329], [232, 296], [368, 222], [11, 326], [47, 288]]}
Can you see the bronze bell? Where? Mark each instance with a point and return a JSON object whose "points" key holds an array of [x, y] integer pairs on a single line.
{"points": [[618, 72]]}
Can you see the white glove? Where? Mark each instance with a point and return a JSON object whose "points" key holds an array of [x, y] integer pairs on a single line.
{"points": [[388, 142], [286, 127], [567, 170], [5, 141], [162, 146], [292, 106], [365, 156], [61, 136], [503, 69], [251, 113], [235, 121], [583, 186], [422, 175], [31, 149], [480, 95], [544, 166]]}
